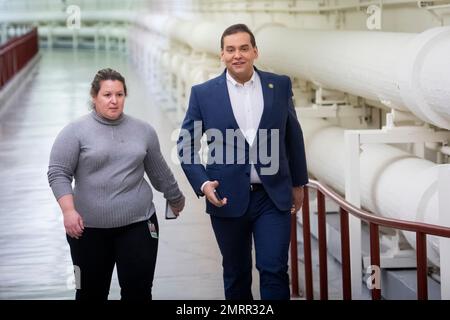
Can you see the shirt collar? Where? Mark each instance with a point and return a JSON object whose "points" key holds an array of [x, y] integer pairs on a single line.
{"points": [[250, 82]]}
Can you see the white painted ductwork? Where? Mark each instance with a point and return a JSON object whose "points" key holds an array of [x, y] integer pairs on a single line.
{"points": [[403, 71], [397, 69], [170, 27], [178, 54], [206, 37], [180, 30], [393, 183]]}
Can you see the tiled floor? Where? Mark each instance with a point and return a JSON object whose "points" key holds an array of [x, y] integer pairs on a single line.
{"points": [[34, 255]]}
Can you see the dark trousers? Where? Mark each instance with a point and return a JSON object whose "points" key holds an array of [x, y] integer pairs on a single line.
{"points": [[131, 248], [270, 229]]}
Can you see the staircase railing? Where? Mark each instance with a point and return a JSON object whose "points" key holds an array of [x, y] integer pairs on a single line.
{"points": [[15, 54], [374, 222]]}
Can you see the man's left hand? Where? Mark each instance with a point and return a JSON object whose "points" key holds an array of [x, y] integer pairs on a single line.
{"points": [[297, 199]]}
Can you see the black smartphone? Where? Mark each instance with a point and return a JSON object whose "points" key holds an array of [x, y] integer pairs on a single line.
{"points": [[169, 213], [218, 196]]}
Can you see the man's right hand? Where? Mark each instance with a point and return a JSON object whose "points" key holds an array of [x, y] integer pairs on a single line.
{"points": [[208, 190]]}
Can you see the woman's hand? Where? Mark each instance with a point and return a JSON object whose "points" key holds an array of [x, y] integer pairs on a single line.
{"points": [[178, 205], [72, 219], [73, 223]]}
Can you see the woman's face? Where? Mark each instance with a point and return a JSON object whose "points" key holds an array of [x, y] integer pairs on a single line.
{"points": [[110, 99]]}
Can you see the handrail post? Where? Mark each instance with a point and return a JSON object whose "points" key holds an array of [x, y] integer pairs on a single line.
{"points": [[294, 257], [422, 275], [307, 246], [352, 195], [322, 226], [375, 260], [345, 256]]}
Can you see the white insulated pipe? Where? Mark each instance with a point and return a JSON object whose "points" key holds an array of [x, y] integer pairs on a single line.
{"points": [[404, 71], [206, 37], [155, 23], [181, 30], [194, 67], [167, 26], [393, 183]]}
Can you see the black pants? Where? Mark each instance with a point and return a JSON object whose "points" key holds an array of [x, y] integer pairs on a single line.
{"points": [[131, 248]]}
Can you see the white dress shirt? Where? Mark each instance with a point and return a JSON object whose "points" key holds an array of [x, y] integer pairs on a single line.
{"points": [[247, 102]]}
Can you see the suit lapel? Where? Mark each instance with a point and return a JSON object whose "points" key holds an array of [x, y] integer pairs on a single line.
{"points": [[267, 89], [224, 100]]}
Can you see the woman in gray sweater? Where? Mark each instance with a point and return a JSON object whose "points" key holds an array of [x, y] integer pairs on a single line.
{"points": [[109, 215]]}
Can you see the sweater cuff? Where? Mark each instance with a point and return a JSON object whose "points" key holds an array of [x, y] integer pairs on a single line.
{"points": [[178, 202], [61, 189]]}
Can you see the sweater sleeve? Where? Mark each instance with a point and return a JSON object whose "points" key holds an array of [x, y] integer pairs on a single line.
{"points": [[159, 172], [63, 162]]}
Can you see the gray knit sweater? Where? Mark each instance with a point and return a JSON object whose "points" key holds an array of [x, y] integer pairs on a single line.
{"points": [[108, 159]]}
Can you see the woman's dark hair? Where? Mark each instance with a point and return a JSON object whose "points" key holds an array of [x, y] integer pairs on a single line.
{"points": [[236, 28], [106, 74]]}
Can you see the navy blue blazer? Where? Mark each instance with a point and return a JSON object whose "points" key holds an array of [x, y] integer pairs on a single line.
{"points": [[210, 106]]}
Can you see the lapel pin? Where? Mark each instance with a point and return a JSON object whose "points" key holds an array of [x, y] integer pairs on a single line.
{"points": [[270, 85]]}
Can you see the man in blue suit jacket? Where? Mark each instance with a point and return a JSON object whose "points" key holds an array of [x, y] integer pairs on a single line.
{"points": [[245, 113]]}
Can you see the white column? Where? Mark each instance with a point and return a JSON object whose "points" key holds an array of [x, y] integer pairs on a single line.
{"points": [[96, 40], [4, 33], [50, 37], [107, 42], [74, 39]]}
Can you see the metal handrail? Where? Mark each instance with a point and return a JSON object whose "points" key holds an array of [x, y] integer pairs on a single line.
{"points": [[16, 53], [421, 230]]}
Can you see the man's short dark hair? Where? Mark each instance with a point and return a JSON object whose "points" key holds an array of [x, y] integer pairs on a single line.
{"points": [[236, 28]]}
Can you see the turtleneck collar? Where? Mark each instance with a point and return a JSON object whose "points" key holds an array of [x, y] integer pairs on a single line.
{"points": [[108, 122]]}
